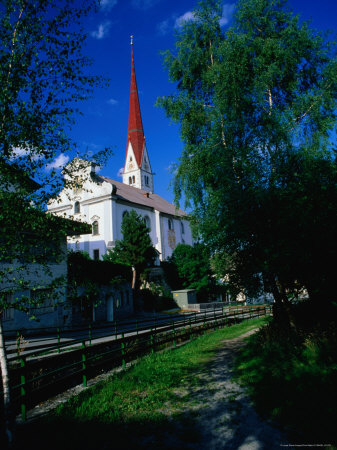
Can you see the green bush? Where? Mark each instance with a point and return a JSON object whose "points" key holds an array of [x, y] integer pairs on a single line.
{"points": [[291, 375], [154, 302]]}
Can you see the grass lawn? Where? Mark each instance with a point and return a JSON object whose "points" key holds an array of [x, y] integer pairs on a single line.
{"points": [[130, 405]]}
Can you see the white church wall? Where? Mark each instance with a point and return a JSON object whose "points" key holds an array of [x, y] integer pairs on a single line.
{"points": [[172, 234], [122, 208]]}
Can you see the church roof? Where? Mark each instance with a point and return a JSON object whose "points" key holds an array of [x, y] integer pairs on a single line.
{"points": [[141, 197], [135, 125]]}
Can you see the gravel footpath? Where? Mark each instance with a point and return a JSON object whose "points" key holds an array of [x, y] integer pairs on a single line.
{"points": [[219, 412]]}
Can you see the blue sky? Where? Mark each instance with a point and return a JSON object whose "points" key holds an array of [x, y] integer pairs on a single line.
{"points": [[152, 22]]}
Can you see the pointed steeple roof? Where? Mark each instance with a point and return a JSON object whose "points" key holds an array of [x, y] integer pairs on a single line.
{"points": [[135, 125]]}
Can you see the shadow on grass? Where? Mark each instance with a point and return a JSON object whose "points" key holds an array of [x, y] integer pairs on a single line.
{"points": [[62, 434], [188, 430]]}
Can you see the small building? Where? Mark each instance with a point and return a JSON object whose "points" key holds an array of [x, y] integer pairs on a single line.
{"points": [[39, 287], [185, 297], [98, 291], [33, 267]]}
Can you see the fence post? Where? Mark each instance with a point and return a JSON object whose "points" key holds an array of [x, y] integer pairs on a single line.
{"points": [[190, 329], [174, 334], [151, 341], [84, 365], [123, 351], [18, 343], [58, 340], [23, 388], [90, 333]]}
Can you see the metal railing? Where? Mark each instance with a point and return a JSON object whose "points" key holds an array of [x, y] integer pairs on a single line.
{"points": [[40, 375]]}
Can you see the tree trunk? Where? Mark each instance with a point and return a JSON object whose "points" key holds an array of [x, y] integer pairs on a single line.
{"points": [[134, 277], [5, 386], [282, 310]]}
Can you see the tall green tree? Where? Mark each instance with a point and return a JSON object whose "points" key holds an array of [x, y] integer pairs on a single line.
{"points": [[135, 249], [256, 105]]}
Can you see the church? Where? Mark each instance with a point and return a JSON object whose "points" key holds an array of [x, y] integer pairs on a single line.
{"points": [[102, 202]]}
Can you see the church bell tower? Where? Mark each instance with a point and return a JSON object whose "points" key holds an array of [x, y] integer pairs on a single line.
{"points": [[137, 169]]}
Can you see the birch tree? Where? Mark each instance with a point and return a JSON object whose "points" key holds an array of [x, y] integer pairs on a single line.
{"points": [[256, 106], [43, 77]]}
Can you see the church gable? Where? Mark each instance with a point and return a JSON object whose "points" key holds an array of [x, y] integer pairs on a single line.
{"points": [[146, 166]]}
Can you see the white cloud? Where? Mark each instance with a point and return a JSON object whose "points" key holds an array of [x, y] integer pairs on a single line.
{"points": [[120, 172], [102, 31], [59, 162], [19, 152], [144, 4], [112, 102], [227, 13], [184, 18], [163, 27], [107, 5]]}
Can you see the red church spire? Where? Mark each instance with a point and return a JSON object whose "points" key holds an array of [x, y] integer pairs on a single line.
{"points": [[135, 125]]}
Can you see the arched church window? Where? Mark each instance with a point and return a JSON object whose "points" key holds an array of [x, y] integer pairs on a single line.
{"points": [[130, 180], [130, 158], [170, 224], [95, 229], [77, 208], [146, 180], [147, 222], [182, 227], [133, 179], [125, 213]]}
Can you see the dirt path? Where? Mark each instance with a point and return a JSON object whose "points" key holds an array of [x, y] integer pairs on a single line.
{"points": [[218, 414]]}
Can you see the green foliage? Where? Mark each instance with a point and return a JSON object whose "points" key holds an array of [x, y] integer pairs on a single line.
{"points": [[82, 268], [292, 376], [256, 105], [130, 404], [89, 274], [156, 298], [43, 76], [136, 249], [189, 268]]}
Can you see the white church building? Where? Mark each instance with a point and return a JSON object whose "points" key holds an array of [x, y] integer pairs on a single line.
{"points": [[102, 202]]}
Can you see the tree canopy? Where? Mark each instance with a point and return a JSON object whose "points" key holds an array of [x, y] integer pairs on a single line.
{"points": [[256, 106], [135, 249], [189, 268]]}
